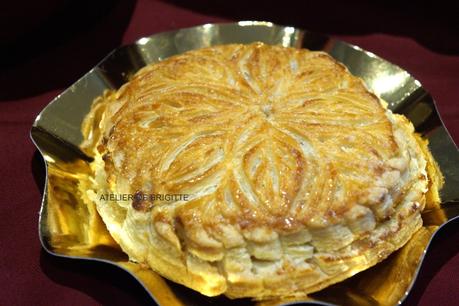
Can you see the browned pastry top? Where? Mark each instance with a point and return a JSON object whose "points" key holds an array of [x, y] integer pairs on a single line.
{"points": [[258, 135]]}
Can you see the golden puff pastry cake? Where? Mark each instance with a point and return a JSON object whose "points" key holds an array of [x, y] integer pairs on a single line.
{"points": [[296, 176]]}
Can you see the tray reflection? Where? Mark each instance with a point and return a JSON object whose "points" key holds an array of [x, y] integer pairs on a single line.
{"points": [[71, 227]]}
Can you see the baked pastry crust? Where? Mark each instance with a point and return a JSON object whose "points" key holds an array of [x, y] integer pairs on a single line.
{"points": [[297, 175]]}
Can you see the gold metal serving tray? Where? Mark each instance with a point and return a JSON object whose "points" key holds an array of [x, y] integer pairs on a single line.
{"points": [[70, 227]]}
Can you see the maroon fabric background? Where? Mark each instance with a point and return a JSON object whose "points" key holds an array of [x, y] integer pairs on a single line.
{"points": [[44, 49]]}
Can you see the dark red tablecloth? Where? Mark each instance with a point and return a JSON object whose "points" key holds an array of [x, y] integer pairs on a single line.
{"points": [[39, 60]]}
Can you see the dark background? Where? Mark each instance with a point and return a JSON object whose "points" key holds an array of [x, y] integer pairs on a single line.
{"points": [[47, 45]]}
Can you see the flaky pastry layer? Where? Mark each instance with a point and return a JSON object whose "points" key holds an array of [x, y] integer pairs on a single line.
{"points": [[297, 176]]}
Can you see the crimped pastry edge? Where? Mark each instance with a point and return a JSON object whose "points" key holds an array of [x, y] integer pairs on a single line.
{"points": [[402, 225]]}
